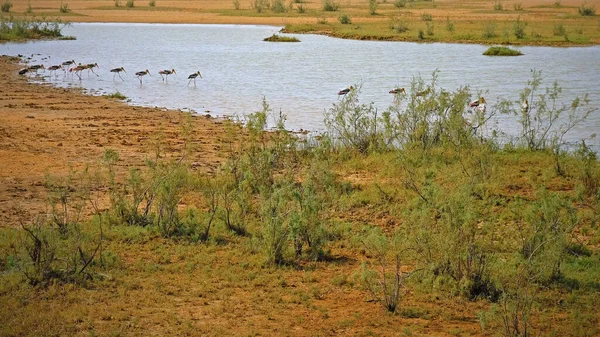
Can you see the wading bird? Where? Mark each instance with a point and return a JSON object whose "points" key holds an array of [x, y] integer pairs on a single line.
{"points": [[166, 73], [193, 76], [141, 74], [77, 70], [345, 91], [423, 93], [478, 104], [91, 66], [117, 71], [525, 107], [398, 91], [68, 63], [54, 69], [37, 67]]}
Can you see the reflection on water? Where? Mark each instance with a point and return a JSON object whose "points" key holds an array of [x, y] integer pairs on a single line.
{"points": [[299, 79]]}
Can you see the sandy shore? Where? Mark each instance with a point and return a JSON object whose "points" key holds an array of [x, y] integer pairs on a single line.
{"points": [[46, 129]]}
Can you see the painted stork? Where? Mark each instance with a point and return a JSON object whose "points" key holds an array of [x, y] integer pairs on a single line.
{"points": [[77, 70], [423, 93], [90, 67], [37, 67], [54, 69], [345, 91], [193, 76], [478, 104], [166, 74], [141, 74], [398, 91], [525, 107], [117, 71]]}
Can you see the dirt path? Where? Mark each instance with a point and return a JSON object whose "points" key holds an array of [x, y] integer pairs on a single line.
{"points": [[46, 129]]}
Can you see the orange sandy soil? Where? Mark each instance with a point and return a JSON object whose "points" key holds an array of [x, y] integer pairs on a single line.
{"points": [[47, 129], [222, 11], [163, 288]]}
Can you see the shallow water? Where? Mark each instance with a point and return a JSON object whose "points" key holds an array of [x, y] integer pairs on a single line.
{"points": [[299, 79]]}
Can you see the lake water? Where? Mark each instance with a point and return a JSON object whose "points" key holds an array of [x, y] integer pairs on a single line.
{"points": [[299, 79]]}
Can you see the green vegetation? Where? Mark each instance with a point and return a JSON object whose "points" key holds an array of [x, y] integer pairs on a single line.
{"points": [[280, 38], [152, 3], [6, 6], [587, 10], [17, 29], [372, 7], [424, 205], [64, 8], [344, 19], [330, 6], [116, 95], [501, 51], [130, 4]]}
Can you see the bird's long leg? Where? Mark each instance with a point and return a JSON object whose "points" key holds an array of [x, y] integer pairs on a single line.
{"points": [[140, 78], [190, 81], [78, 75], [92, 69], [120, 77], [115, 74]]}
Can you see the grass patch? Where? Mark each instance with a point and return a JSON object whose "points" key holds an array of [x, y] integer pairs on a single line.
{"points": [[280, 38], [501, 51], [116, 95], [18, 29]]}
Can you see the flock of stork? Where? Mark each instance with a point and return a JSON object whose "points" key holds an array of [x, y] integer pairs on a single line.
{"points": [[69, 66], [476, 105]]}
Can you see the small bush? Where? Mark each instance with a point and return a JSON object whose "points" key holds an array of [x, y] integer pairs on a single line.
{"points": [[236, 4], [519, 28], [449, 25], [6, 6], [518, 6], [301, 9], [330, 6], [426, 17], [398, 25], [501, 51], [586, 10], [345, 19], [152, 3], [278, 6], [400, 3], [557, 4], [260, 5], [117, 95], [29, 9], [489, 30], [430, 27], [421, 34], [498, 6], [322, 20], [64, 8], [372, 7], [130, 4], [117, 3], [559, 30], [279, 38]]}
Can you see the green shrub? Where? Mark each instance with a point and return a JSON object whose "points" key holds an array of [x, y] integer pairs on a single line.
{"points": [[152, 3], [278, 6], [400, 3], [117, 3], [586, 10], [426, 17], [498, 6], [430, 27], [372, 7], [519, 28], [344, 19], [518, 6], [330, 6], [260, 5], [557, 3], [489, 30], [130, 4], [559, 30], [301, 9], [449, 25], [501, 51], [29, 9], [398, 24], [6, 6], [64, 8], [279, 38]]}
